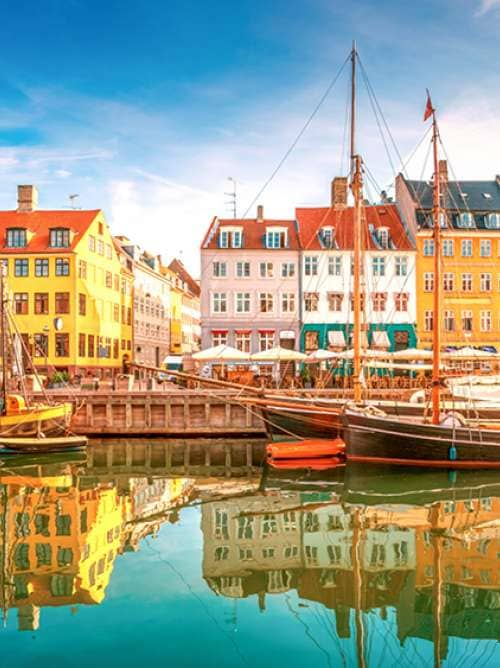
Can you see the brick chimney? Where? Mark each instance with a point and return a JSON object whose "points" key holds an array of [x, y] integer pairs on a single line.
{"points": [[339, 192], [260, 213], [443, 172], [27, 198]]}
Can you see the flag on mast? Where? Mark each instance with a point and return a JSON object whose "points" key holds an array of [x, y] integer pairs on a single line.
{"points": [[429, 110]]}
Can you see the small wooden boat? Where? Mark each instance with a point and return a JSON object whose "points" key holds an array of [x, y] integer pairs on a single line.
{"points": [[309, 449], [41, 445]]}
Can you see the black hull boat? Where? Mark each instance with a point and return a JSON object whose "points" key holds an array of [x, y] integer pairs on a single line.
{"points": [[301, 422], [412, 442]]}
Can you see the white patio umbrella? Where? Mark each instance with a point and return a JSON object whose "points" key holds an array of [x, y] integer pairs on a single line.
{"points": [[412, 354], [221, 353], [468, 353], [279, 354], [321, 355]]}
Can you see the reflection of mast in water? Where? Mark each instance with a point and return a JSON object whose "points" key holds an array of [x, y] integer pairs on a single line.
{"points": [[358, 586]]}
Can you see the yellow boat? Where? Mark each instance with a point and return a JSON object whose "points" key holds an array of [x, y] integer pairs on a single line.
{"points": [[37, 420]]}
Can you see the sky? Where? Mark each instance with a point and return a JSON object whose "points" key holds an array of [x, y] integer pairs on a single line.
{"points": [[144, 109]]}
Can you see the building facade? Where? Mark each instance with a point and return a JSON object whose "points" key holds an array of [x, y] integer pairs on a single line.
{"points": [[70, 295], [190, 330], [387, 277], [470, 307], [250, 284]]}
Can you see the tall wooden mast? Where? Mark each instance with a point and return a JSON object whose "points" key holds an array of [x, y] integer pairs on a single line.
{"points": [[357, 191], [436, 325], [3, 340]]}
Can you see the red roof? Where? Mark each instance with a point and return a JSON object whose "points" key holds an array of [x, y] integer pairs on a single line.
{"points": [[253, 232], [311, 220], [40, 222]]}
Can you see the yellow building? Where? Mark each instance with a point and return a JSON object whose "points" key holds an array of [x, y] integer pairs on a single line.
{"points": [[175, 315], [470, 308], [70, 294]]}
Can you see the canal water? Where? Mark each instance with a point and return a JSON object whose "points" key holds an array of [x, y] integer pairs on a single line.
{"points": [[113, 563]]}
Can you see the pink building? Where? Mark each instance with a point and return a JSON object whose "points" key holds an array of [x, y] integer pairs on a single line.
{"points": [[250, 283]]}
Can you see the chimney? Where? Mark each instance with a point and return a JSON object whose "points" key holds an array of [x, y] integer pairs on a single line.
{"points": [[443, 172], [339, 192], [497, 179], [260, 213], [27, 198]]}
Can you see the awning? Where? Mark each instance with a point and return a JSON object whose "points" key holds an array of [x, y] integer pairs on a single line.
{"points": [[287, 334], [336, 338], [380, 339]]}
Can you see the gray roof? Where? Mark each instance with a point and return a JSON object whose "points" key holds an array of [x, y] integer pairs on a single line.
{"points": [[475, 191]]}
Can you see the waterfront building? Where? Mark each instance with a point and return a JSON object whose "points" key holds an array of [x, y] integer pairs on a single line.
{"points": [[471, 258], [151, 332], [71, 296], [190, 330], [250, 283], [388, 275]]}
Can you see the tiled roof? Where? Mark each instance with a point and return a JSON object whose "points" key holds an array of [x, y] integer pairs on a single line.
{"points": [[39, 223], [475, 191], [178, 268], [253, 232], [311, 220]]}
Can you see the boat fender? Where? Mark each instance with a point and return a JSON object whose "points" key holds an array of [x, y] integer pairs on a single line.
{"points": [[453, 419], [417, 397], [452, 453]]}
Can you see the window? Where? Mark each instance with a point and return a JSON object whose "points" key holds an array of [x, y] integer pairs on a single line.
{"points": [[41, 267], [223, 239], [378, 266], [62, 267], [59, 237], [401, 265], [335, 265], [116, 311], [467, 321], [449, 321], [16, 237], [287, 270], [219, 269], [21, 268], [237, 238], [465, 220], [22, 524], [108, 280], [266, 340], [492, 221], [266, 270], [401, 301], [466, 247], [242, 302], [276, 239], [62, 302], [61, 585], [429, 281], [466, 282], [311, 301], [243, 341], [311, 265], [288, 302], [383, 237], [116, 348], [269, 525], [100, 247], [361, 301], [64, 556], [219, 338], [91, 243], [21, 557], [485, 283], [379, 299], [82, 304], [448, 282], [428, 321], [485, 248], [428, 247], [245, 528], [243, 269], [219, 302], [109, 252], [266, 302], [20, 303], [485, 321], [335, 300], [62, 345], [41, 345], [230, 239], [81, 345], [41, 303], [90, 345], [448, 248], [311, 340], [327, 236]]}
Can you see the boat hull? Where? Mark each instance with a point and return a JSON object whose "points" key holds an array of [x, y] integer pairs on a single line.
{"points": [[413, 443], [31, 422], [301, 422]]}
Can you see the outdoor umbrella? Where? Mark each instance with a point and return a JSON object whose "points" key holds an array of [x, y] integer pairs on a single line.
{"points": [[279, 354], [221, 353]]}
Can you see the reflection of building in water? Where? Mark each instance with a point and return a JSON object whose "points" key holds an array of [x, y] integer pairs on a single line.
{"points": [[60, 537], [347, 557]]}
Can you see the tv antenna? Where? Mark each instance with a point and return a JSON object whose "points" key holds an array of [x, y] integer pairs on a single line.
{"points": [[72, 201], [231, 203]]}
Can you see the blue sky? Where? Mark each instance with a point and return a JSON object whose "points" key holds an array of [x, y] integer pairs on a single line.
{"points": [[145, 108]]}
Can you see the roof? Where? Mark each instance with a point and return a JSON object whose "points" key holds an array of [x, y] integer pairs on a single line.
{"points": [[178, 268], [40, 222], [253, 232], [475, 200], [311, 220]]}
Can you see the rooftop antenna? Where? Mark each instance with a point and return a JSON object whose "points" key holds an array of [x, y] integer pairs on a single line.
{"points": [[72, 201], [231, 203]]}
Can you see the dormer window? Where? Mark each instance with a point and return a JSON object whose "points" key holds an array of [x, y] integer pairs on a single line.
{"points": [[465, 220], [383, 237], [327, 237], [16, 237], [492, 221], [276, 238], [59, 237], [230, 238]]}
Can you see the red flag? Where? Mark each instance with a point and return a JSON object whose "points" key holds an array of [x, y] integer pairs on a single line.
{"points": [[428, 108]]}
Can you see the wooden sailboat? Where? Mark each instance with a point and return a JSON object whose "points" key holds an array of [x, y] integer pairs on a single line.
{"points": [[24, 426], [446, 440]]}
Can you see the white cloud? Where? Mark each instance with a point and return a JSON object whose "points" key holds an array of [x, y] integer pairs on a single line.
{"points": [[486, 6], [62, 173]]}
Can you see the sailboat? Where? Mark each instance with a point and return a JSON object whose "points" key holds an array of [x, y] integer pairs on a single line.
{"points": [[446, 440], [29, 426]]}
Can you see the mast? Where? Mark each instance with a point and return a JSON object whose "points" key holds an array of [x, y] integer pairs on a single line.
{"points": [[3, 340], [357, 191], [436, 334]]}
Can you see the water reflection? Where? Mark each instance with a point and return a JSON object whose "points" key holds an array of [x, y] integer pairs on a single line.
{"points": [[368, 545]]}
